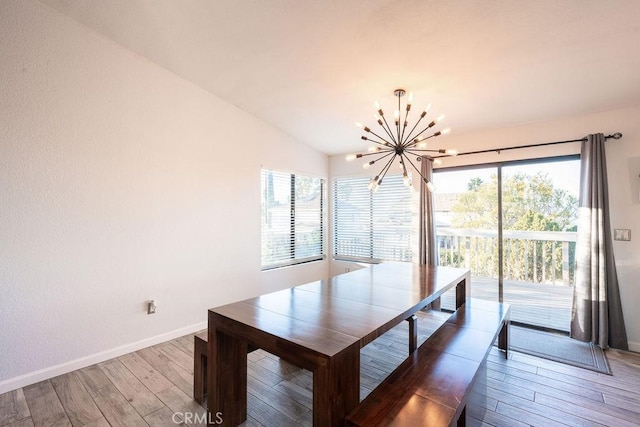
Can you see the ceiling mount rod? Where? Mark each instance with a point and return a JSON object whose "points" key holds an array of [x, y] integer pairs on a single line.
{"points": [[616, 135]]}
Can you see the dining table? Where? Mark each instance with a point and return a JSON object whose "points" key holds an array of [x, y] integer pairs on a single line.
{"points": [[319, 326]]}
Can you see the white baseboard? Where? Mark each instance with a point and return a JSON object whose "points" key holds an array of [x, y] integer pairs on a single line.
{"points": [[634, 346], [63, 368]]}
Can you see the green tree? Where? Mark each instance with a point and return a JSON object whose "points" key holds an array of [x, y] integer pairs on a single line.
{"points": [[474, 184], [528, 203]]}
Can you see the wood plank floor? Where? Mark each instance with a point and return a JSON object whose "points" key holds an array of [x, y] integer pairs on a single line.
{"points": [[151, 385]]}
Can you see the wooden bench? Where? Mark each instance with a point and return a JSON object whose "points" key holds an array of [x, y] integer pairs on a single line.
{"points": [[200, 365], [432, 386]]}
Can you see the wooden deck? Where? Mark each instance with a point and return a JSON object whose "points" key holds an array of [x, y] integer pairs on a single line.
{"points": [[547, 306]]}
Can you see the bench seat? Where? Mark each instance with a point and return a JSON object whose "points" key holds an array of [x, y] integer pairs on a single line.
{"points": [[432, 385]]}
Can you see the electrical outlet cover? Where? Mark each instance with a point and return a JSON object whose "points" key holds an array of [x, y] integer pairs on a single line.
{"points": [[622, 234]]}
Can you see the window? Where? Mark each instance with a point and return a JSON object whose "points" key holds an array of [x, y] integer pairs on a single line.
{"points": [[372, 226], [292, 219]]}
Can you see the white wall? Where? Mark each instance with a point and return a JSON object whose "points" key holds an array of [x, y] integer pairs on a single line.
{"points": [[120, 182], [623, 161]]}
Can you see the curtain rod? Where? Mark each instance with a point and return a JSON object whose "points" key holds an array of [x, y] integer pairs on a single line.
{"points": [[616, 135]]}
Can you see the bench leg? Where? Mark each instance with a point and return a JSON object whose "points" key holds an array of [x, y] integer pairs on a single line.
{"points": [[434, 305], [413, 333], [199, 371], [503, 339]]}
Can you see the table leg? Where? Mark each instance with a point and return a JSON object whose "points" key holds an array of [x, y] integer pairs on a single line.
{"points": [[503, 339], [227, 378], [461, 293], [336, 388]]}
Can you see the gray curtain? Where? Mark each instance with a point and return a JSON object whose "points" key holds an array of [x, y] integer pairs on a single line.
{"points": [[597, 311], [427, 250]]}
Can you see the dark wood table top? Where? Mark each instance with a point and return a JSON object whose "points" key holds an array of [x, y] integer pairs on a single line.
{"points": [[328, 316]]}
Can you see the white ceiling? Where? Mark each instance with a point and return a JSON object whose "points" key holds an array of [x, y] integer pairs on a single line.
{"points": [[312, 68]]}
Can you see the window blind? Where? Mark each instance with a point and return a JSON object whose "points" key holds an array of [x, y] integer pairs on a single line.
{"points": [[292, 219], [372, 226]]}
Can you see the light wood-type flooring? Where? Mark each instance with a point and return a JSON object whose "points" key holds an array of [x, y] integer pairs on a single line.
{"points": [[149, 386]]}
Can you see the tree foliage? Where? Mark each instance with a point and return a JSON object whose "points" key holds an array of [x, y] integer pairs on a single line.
{"points": [[529, 202]]}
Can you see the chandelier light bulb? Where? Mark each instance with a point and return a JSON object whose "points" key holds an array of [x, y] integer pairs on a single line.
{"points": [[410, 99], [440, 118], [437, 161], [396, 114], [360, 125], [373, 184], [430, 186], [406, 180], [373, 149], [446, 131], [421, 145], [452, 152], [366, 165], [351, 157], [377, 104]]}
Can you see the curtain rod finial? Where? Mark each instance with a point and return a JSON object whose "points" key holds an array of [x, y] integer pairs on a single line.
{"points": [[616, 135]]}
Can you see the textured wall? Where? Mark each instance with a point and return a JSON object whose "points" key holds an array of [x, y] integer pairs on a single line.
{"points": [[120, 182]]}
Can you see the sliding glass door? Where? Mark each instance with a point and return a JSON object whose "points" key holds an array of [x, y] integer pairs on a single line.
{"points": [[466, 213], [539, 220], [513, 225]]}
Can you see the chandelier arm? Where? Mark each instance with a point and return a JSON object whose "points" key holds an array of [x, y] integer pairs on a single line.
{"points": [[386, 167], [412, 129], [387, 142], [417, 170], [384, 143], [398, 124], [404, 127], [404, 167], [390, 133], [381, 123], [417, 152], [381, 153], [406, 119], [388, 153], [423, 131], [413, 143]]}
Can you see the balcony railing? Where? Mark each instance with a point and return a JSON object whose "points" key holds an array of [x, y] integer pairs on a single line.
{"points": [[545, 257]]}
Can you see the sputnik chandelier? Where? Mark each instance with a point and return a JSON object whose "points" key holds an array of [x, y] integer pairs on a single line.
{"points": [[399, 143]]}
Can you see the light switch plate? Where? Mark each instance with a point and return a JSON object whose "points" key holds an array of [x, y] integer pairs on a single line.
{"points": [[622, 234]]}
